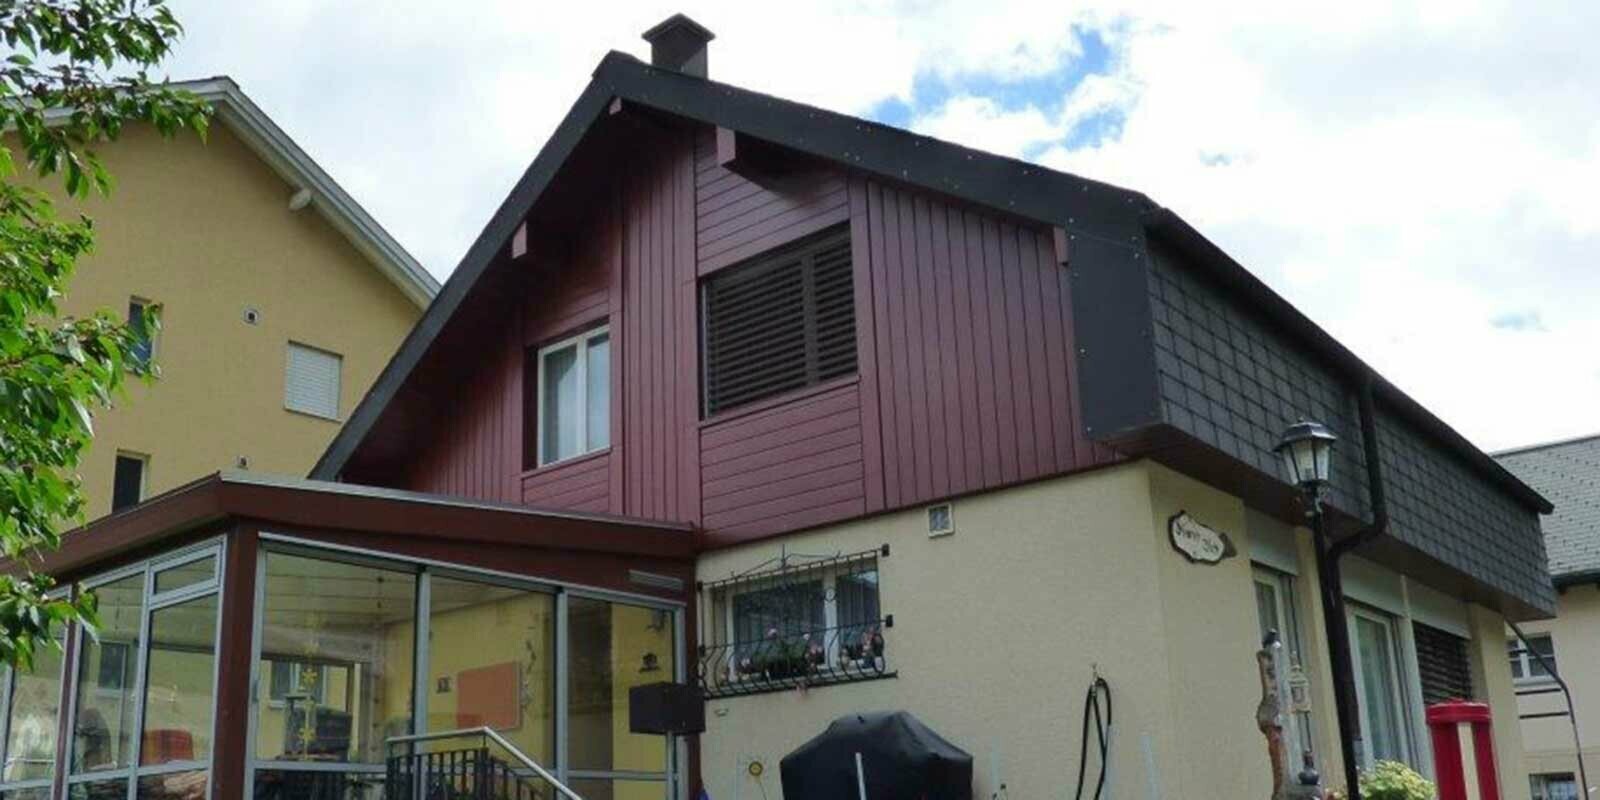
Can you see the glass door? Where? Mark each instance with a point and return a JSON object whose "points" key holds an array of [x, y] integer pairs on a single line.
{"points": [[1378, 688]]}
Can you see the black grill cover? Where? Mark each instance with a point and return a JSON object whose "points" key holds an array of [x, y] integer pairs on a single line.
{"points": [[903, 760]]}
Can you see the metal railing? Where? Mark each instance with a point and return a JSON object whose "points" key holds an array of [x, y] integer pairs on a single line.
{"points": [[819, 657], [466, 773]]}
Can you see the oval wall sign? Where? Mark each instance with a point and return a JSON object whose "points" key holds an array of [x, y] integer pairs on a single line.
{"points": [[1199, 543]]}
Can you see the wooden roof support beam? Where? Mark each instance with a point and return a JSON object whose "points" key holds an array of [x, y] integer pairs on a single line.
{"points": [[751, 158], [519, 241]]}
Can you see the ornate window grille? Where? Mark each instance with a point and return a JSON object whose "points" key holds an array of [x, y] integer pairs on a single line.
{"points": [[795, 621]]}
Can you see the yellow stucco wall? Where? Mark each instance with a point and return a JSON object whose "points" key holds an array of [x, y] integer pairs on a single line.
{"points": [[1548, 741], [979, 662], [205, 230]]}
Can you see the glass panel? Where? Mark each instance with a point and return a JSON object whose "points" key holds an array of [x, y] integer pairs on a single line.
{"points": [[180, 674], [1382, 695], [1545, 646], [274, 784], [188, 574], [560, 403], [767, 622], [35, 714], [114, 789], [597, 375], [613, 648], [343, 635], [1554, 786], [36, 793], [186, 785], [491, 658], [1267, 610], [102, 736], [608, 789]]}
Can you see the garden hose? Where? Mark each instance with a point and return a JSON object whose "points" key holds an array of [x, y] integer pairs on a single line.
{"points": [[1098, 688]]}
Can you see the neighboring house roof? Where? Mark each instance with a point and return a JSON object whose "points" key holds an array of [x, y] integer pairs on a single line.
{"points": [[1080, 206], [1567, 472], [294, 165]]}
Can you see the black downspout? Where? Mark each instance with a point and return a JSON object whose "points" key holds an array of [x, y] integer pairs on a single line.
{"points": [[1333, 610]]}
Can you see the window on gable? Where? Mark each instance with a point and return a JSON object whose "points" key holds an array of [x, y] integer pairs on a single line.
{"points": [[311, 381], [572, 396], [144, 346], [128, 480], [781, 322]]}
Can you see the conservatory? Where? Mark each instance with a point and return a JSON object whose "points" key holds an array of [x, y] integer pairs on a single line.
{"points": [[280, 638]]}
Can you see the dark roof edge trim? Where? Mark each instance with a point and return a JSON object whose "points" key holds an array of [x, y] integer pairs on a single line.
{"points": [[1166, 224], [589, 107], [1577, 577]]}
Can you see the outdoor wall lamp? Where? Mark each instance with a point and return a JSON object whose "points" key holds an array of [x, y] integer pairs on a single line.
{"points": [[1307, 449], [1307, 453]]}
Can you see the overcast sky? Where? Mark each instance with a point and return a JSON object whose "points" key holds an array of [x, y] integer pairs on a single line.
{"points": [[1421, 182]]}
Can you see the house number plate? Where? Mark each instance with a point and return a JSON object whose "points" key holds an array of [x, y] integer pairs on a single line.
{"points": [[1199, 543]]}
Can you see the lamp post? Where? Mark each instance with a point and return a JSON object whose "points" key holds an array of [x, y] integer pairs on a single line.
{"points": [[1307, 449]]}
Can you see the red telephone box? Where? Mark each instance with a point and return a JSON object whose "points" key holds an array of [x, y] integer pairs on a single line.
{"points": [[1463, 751]]}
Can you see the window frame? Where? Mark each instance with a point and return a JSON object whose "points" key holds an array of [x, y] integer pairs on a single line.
{"points": [[1399, 674], [581, 341], [722, 649], [1527, 662], [805, 249], [424, 570], [152, 603], [142, 305], [144, 477], [1540, 784], [338, 375], [1285, 597]]}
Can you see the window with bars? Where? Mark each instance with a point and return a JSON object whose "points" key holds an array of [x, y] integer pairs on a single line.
{"points": [[795, 621], [781, 322], [1442, 665]]}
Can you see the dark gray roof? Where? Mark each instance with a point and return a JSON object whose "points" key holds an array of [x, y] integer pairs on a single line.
{"points": [[1568, 473]]}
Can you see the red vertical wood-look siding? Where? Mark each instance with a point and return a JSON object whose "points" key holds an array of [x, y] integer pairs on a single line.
{"points": [[972, 341], [966, 377]]}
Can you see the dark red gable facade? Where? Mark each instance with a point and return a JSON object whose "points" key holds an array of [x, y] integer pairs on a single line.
{"points": [[963, 329], [1011, 323]]}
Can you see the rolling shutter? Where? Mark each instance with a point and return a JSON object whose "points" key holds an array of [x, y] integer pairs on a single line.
{"points": [[311, 381], [782, 322], [1442, 664]]}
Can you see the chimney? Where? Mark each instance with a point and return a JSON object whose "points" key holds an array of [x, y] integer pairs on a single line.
{"points": [[679, 44]]}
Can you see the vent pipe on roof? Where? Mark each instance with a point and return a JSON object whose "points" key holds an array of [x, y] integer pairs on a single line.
{"points": [[679, 44]]}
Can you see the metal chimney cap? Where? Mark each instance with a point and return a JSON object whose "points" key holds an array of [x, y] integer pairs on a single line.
{"points": [[676, 22]]}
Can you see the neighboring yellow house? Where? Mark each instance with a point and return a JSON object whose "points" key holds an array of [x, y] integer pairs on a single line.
{"points": [[282, 300], [1567, 472]]}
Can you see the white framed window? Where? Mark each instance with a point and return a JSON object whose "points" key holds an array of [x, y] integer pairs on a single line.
{"points": [[1380, 690], [129, 479], [311, 381], [1276, 611], [1525, 667], [1553, 786], [813, 623], [574, 396]]}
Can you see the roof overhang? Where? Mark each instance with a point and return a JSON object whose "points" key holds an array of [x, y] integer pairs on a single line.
{"points": [[296, 167], [295, 503]]}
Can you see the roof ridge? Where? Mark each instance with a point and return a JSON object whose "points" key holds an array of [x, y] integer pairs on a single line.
{"points": [[1528, 448]]}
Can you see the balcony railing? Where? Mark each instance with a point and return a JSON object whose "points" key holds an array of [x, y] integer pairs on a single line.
{"points": [[421, 767], [815, 658]]}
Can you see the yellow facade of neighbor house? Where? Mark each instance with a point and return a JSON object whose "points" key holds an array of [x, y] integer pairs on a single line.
{"points": [[206, 231], [1546, 729], [1093, 550]]}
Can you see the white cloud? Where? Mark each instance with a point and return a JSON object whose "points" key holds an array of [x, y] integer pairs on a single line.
{"points": [[1405, 174]]}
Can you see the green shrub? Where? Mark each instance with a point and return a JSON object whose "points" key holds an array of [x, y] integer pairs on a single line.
{"points": [[1392, 780]]}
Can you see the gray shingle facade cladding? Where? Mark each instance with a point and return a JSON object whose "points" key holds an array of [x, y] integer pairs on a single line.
{"points": [[1569, 474], [1229, 379]]}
